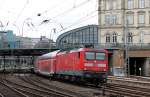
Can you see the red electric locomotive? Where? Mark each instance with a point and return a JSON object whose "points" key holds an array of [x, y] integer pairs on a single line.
{"points": [[84, 64]]}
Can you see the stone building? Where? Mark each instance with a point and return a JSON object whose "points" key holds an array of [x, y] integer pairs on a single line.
{"points": [[126, 23]]}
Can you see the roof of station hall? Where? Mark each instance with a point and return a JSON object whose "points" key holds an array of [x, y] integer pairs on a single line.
{"points": [[74, 30]]}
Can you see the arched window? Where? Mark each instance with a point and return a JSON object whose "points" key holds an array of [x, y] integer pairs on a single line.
{"points": [[114, 37], [107, 38], [130, 37]]}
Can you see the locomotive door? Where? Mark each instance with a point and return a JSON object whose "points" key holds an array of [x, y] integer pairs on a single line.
{"points": [[52, 65]]}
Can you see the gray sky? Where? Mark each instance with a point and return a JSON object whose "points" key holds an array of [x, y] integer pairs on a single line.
{"points": [[21, 16]]}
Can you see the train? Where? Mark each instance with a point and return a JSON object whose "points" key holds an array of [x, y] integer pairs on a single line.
{"points": [[82, 65]]}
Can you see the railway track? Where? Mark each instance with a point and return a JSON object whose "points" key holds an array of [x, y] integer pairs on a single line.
{"points": [[8, 90], [140, 78], [130, 91], [90, 86], [47, 87], [33, 86], [1, 95], [30, 87], [134, 82], [107, 91], [37, 91], [132, 86]]}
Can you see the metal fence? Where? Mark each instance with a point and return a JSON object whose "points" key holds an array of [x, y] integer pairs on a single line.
{"points": [[15, 62]]}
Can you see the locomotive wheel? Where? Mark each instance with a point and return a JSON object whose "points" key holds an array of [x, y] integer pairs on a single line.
{"points": [[97, 84], [73, 78]]}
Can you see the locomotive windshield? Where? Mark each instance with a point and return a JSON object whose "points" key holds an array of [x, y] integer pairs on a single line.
{"points": [[90, 55], [95, 56], [100, 56]]}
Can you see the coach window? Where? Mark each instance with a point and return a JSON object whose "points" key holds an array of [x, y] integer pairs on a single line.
{"points": [[89, 55]]}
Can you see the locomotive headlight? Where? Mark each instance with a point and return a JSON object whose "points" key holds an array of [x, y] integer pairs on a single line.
{"points": [[101, 65], [88, 64]]}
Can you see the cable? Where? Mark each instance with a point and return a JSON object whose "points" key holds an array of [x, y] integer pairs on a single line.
{"points": [[25, 5], [81, 20], [77, 6], [50, 9], [74, 7]]}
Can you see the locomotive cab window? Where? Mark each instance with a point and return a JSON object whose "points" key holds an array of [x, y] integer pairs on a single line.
{"points": [[100, 56], [90, 55]]}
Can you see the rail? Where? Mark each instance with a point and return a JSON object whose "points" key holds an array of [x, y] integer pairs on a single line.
{"points": [[1, 95]]}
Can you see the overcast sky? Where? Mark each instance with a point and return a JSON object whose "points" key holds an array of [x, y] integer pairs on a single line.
{"points": [[21, 16]]}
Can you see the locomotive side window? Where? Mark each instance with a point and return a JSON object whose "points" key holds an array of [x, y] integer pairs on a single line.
{"points": [[90, 55], [100, 56]]}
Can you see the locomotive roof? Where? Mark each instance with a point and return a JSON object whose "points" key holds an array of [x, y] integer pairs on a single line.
{"points": [[49, 55], [61, 52], [78, 50], [85, 49]]}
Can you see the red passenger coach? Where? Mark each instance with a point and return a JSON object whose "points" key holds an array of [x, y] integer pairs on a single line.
{"points": [[84, 64], [45, 64]]}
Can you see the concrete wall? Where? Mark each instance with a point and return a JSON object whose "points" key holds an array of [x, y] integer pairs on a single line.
{"points": [[139, 53], [147, 67], [118, 63]]}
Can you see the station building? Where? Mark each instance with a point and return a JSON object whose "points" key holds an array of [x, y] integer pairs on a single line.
{"points": [[124, 27], [8, 40], [18, 52]]}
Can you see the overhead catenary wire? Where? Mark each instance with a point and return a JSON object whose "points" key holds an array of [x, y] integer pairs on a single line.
{"points": [[66, 11], [20, 13], [71, 9], [60, 14], [52, 8], [87, 17], [32, 26], [82, 19]]}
